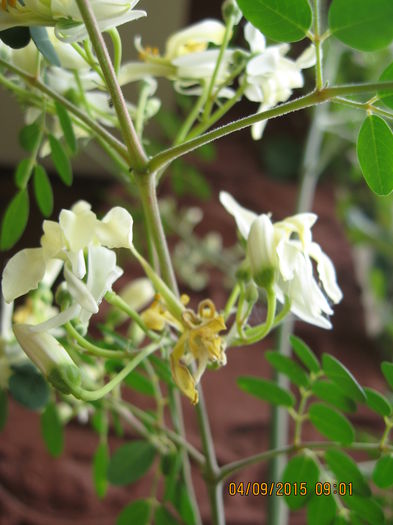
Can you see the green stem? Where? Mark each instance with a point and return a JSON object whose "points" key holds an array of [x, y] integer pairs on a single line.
{"points": [[90, 347], [147, 188], [137, 156], [117, 49], [211, 469], [224, 45], [218, 114], [191, 118], [232, 468], [318, 45], [311, 99], [118, 302], [144, 95], [385, 436], [87, 395], [96, 128], [363, 106], [231, 301], [299, 419]]}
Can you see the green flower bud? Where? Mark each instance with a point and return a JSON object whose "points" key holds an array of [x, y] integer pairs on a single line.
{"points": [[230, 9]]}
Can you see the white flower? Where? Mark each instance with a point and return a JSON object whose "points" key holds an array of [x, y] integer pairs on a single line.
{"points": [[280, 256], [270, 77], [187, 59], [77, 234], [65, 17]]}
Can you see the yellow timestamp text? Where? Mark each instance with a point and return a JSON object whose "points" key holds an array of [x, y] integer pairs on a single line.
{"points": [[280, 488]]}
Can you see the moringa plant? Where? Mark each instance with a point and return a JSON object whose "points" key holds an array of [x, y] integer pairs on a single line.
{"points": [[53, 58]]}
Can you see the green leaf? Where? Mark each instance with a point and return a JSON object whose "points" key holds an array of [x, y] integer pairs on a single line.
{"points": [[162, 516], [345, 470], [305, 354], [66, 126], [29, 136], [140, 383], [343, 378], [52, 430], [383, 472], [387, 370], [362, 24], [365, 508], [375, 154], [22, 173], [44, 45], [14, 220], [60, 160], [321, 510], [28, 387], [15, 37], [100, 468], [377, 402], [137, 512], [43, 190], [3, 408], [331, 423], [281, 20], [130, 462], [328, 392], [387, 96], [286, 366], [266, 390], [301, 468]]}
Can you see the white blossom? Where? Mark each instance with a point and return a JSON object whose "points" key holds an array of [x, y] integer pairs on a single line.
{"points": [[281, 256]]}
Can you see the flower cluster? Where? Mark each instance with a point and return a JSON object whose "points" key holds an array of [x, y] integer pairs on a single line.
{"points": [[281, 256]]}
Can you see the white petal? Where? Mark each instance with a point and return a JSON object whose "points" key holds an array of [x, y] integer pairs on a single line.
{"points": [[133, 71], [195, 37], [260, 247], [80, 292], [138, 293], [78, 227], [326, 272], [256, 40], [243, 217], [102, 271], [53, 268], [115, 229], [53, 241], [7, 310], [22, 273], [58, 320], [307, 58]]}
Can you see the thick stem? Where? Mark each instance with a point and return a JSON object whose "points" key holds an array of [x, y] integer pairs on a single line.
{"points": [[137, 155], [312, 99], [147, 188]]}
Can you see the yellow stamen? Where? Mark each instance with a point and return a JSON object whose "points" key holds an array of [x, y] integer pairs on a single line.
{"points": [[4, 3]]}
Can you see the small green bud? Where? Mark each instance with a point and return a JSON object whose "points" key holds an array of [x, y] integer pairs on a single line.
{"points": [[230, 10], [265, 278]]}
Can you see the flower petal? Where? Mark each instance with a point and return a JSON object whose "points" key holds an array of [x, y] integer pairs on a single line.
{"points": [[80, 292], [115, 229], [243, 217], [22, 273], [326, 272]]}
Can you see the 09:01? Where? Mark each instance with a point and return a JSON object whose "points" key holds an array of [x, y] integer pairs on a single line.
{"points": [[327, 488]]}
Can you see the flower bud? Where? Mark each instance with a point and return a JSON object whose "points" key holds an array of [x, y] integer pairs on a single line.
{"points": [[49, 356], [260, 254], [230, 9]]}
